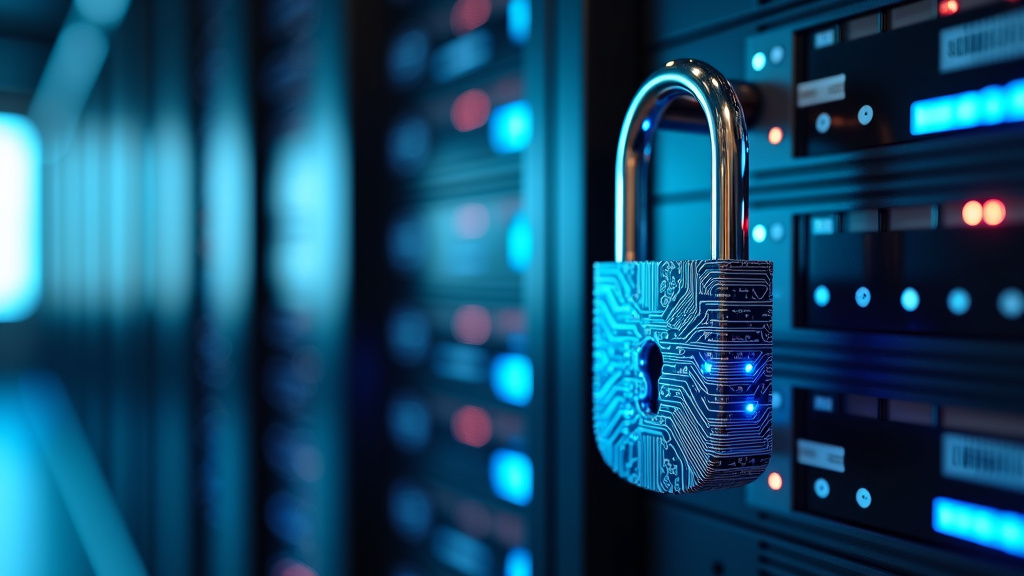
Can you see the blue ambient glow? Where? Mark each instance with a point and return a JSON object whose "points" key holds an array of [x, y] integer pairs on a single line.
{"points": [[989, 106], [822, 296], [993, 528], [750, 407], [759, 233], [510, 128], [519, 562], [910, 299], [512, 378], [519, 21], [511, 476], [519, 243], [748, 368], [21, 266], [759, 61]]}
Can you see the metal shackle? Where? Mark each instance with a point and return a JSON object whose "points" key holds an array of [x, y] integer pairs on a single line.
{"points": [[729, 180]]}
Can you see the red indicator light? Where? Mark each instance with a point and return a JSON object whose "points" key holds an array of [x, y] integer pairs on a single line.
{"points": [[471, 324], [775, 481], [775, 136], [471, 425], [469, 15], [993, 212], [471, 110], [972, 213], [948, 7]]}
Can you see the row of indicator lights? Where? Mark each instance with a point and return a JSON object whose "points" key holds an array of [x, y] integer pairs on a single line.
{"points": [[992, 528], [989, 106], [823, 122], [759, 61], [822, 489], [992, 212], [1009, 301], [749, 407], [776, 231]]}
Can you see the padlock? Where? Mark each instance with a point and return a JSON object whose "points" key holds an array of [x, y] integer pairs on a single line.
{"points": [[682, 350]]}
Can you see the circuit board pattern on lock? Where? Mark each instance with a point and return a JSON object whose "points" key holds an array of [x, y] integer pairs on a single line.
{"points": [[712, 321]]}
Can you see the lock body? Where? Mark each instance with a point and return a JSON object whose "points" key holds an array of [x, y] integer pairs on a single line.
{"points": [[703, 422]]}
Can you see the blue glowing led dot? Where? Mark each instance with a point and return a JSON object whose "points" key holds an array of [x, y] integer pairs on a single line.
{"points": [[519, 21], [822, 296], [958, 301], [519, 562], [510, 128], [519, 243], [510, 474], [750, 407], [758, 61], [512, 378], [759, 233], [748, 368], [646, 125], [706, 367], [910, 299]]}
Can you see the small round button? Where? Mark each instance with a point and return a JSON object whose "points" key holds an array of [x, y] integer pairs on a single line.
{"points": [[823, 122], [822, 488], [865, 114], [863, 498], [863, 297], [776, 54]]}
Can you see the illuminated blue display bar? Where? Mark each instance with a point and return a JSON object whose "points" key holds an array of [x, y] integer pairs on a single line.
{"points": [[990, 106], [1001, 530]]}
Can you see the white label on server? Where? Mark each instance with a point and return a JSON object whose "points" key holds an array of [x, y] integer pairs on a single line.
{"points": [[991, 40], [983, 461], [821, 91], [820, 455]]}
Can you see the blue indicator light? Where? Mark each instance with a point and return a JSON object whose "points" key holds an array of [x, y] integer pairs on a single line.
{"points": [[759, 61], [822, 296], [750, 407], [21, 258], [993, 528], [759, 233], [748, 368], [511, 476], [958, 301], [910, 299], [989, 106], [510, 128], [646, 125], [519, 562], [706, 367], [512, 378], [519, 21], [519, 243]]}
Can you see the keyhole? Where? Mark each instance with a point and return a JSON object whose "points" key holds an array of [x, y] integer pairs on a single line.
{"points": [[651, 363]]}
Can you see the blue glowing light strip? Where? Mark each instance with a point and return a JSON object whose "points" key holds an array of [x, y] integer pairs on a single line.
{"points": [[1001, 530], [990, 106]]}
